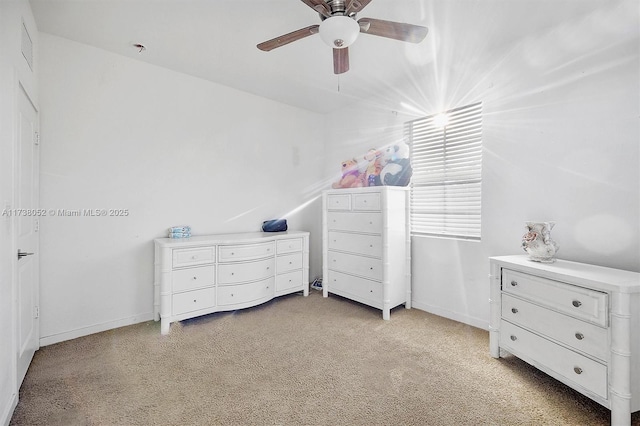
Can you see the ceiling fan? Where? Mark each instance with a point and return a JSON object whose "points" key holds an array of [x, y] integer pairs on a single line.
{"points": [[339, 29]]}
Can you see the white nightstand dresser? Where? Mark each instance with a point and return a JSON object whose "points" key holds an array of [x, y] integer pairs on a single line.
{"points": [[204, 274], [578, 323], [367, 246]]}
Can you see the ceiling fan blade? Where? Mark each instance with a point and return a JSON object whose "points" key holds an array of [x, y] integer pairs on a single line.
{"points": [[340, 60], [394, 30], [288, 38], [319, 6], [355, 6]]}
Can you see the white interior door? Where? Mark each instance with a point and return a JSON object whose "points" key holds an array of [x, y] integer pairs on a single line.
{"points": [[26, 231]]}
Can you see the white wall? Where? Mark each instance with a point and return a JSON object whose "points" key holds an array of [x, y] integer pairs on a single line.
{"points": [[171, 149], [13, 72], [560, 136]]}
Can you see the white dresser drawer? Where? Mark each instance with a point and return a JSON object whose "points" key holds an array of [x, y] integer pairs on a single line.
{"points": [[355, 222], [245, 252], [231, 273], [339, 202], [360, 289], [368, 245], [357, 265], [289, 262], [582, 371], [576, 301], [244, 293], [580, 335], [289, 280], [194, 300], [367, 202], [194, 256], [192, 278], [289, 246]]}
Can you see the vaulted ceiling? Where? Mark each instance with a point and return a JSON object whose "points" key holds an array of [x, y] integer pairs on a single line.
{"points": [[216, 39]]}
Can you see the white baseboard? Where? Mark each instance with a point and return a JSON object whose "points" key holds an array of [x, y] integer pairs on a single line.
{"points": [[8, 410], [474, 322], [97, 328]]}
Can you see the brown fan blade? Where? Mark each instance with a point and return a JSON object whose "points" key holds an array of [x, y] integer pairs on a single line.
{"points": [[394, 30], [340, 60], [356, 6], [288, 38], [319, 6]]}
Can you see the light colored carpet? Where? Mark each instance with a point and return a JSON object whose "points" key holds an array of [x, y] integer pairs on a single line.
{"points": [[295, 361]]}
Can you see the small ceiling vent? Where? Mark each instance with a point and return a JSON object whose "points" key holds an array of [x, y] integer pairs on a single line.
{"points": [[27, 46]]}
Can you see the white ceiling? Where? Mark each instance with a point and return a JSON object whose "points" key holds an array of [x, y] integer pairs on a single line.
{"points": [[216, 39]]}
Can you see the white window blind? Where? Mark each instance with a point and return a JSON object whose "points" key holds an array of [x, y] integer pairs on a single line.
{"points": [[447, 166]]}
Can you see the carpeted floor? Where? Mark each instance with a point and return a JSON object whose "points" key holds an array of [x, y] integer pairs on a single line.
{"points": [[295, 361]]}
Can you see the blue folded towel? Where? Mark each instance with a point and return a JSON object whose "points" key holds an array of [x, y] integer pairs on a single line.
{"points": [[183, 228], [179, 234]]}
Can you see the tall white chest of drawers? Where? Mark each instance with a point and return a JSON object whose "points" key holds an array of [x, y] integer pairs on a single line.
{"points": [[367, 246], [578, 323], [204, 274]]}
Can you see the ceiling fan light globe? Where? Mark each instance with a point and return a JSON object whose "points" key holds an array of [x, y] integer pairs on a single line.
{"points": [[339, 32]]}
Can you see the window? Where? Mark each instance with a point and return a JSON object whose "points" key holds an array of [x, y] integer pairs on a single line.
{"points": [[446, 155]]}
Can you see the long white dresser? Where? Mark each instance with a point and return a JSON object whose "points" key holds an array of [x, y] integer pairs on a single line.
{"points": [[578, 323], [367, 246], [204, 274]]}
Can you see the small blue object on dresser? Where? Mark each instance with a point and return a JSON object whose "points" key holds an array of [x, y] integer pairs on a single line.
{"points": [[181, 228], [179, 234], [276, 225], [182, 231]]}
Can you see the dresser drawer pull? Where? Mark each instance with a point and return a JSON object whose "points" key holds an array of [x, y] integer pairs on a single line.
{"points": [[578, 370], [579, 336], [194, 257], [514, 310], [514, 338], [195, 278], [514, 283], [576, 303]]}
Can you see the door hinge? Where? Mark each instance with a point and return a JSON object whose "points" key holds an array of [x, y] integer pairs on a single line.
{"points": [[36, 312], [36, 225], [37, 139]]}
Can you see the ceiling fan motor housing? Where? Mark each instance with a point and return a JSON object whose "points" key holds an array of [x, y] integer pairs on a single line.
{"points": [[338, 7]]}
